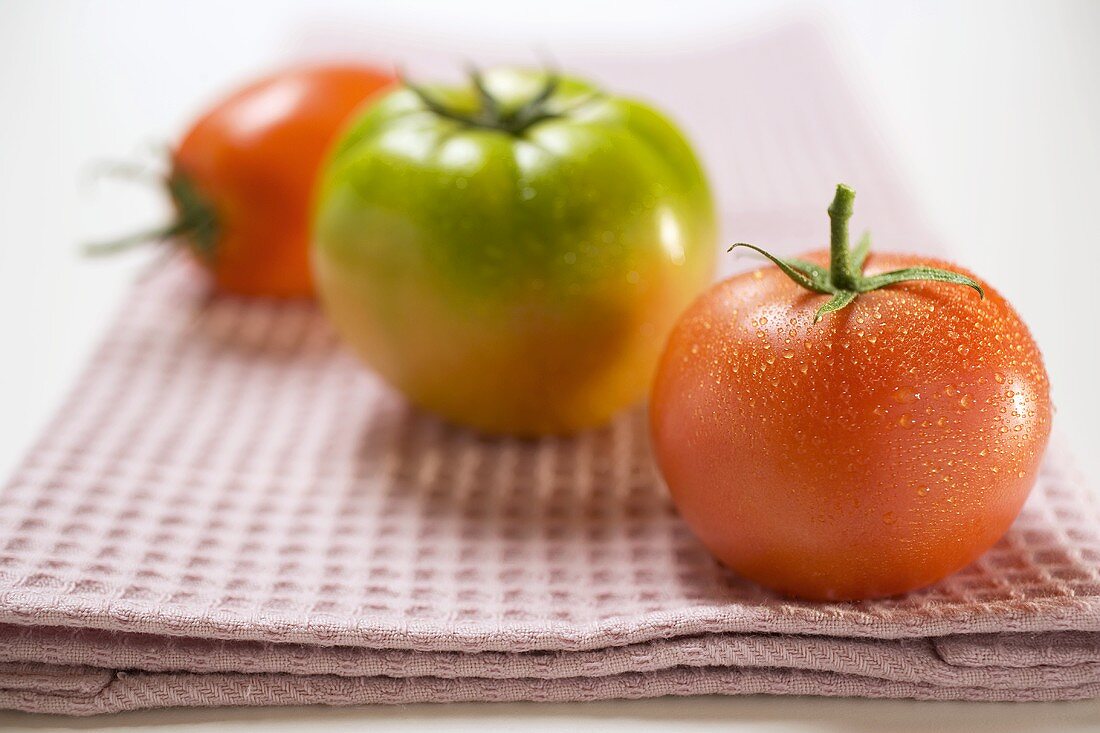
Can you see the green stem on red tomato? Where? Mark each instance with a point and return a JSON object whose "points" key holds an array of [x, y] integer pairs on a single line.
{"points": [[840, 211], [122, 244], [196, 223], [844, 279]]}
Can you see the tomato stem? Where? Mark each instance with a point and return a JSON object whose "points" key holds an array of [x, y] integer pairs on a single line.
{"points": [[196, 222], [113, 246], [841, 274], [844, 280], [491, 114]]}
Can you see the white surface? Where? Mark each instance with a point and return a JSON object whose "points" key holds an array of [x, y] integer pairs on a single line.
{"points": [[993, 109]]}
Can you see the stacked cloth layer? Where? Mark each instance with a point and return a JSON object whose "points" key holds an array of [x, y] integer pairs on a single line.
{"points": [[228, 510]]}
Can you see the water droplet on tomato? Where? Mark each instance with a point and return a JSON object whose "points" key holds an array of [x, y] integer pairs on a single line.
{"points": [[889, 518], [905, 395]]}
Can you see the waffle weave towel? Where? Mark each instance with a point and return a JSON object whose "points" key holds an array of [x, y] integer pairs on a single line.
{"points": [[228, 510]]}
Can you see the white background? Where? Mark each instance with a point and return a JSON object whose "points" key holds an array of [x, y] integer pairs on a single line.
{"points": [[992, 110]]}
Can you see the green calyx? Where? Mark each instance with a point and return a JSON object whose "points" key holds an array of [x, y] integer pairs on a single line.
{"points": [[196, 223], [844, 279], [491, 114]]}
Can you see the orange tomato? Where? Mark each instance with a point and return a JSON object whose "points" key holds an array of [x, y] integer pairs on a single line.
{"points": [[252, 160], [242, 177], [868, 454]]}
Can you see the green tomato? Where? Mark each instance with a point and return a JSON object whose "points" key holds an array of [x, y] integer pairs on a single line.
{"points": [[512, 253]]}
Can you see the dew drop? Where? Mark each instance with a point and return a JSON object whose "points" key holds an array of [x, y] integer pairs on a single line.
{"points": [[906, 420], [905, 395], [999, 378], [788, 354], [964, 401], [889, 518], [922, 491], [941, 422], [804, 368]]}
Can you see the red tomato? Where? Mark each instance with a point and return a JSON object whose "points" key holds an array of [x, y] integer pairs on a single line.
{"points": [[868, 454], [242, 177]]}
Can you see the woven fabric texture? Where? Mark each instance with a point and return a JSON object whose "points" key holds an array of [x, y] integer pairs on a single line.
{"points": [[228, 510]]}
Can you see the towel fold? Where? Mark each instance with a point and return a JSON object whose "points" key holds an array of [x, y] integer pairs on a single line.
{"points": [[92, 671], [228, 510]]}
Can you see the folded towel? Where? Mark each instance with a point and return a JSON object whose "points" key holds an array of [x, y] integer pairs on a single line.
{"points": [[228, 510]]}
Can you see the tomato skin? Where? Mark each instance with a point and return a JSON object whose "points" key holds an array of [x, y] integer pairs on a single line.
{"points": [[871, 454], [515, 283], [254, 158]]}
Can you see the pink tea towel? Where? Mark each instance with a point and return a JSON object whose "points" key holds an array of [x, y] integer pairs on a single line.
{"points": [[228, 510]]}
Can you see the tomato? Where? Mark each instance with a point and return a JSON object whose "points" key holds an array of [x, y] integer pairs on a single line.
{"points": [[865, 455], [242, 177], [512, 253]]}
